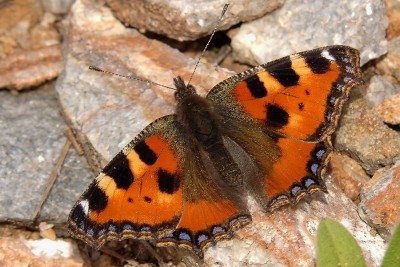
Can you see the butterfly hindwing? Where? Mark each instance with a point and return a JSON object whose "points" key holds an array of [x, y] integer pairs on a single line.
{"points": [[210, 211], [138, 194], [295, 101], [157, 188]]}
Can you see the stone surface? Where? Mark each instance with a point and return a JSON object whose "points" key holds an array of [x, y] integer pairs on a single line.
{"points": [[29, 45], [31, 139], [380, 88], [389, 110], [24, 26], [380, 200], [307, 24], [364, 136], [18, 249], [394, 18], [390, 64], [178, 20], [56, 6], [348, 175]]}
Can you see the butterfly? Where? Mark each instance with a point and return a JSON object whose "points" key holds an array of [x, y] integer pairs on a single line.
{"points": [[184, 180]]}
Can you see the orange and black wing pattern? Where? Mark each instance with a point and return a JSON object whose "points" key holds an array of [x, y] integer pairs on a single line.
{"points": [[156, 189], [137, 195], [210, 211], [296, 101]]}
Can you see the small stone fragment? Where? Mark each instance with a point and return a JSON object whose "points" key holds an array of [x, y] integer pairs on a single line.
{"points": [[348, 174], [47, 231], [389, 110], [380, 200]]}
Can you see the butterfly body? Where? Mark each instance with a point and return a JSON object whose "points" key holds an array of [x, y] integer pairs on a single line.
{"points": [[185, 178], [202, 125]]}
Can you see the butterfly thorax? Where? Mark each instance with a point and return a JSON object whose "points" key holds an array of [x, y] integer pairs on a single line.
{"points": [[197, 116], [199, 120]]}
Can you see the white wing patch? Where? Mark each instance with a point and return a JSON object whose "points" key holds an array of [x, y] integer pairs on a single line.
{"points": [[327, 55]]}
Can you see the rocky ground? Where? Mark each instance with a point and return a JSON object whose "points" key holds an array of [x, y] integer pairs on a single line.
{"points": [[60, 123]]}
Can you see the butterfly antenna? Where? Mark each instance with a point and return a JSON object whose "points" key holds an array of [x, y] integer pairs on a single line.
{"points": [[129, 77], [209, 41]]}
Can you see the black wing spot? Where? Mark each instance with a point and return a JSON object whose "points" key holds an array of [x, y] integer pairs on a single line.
{"points": [[167, 182], [130, 200], [301, 106], [97, 198], [284, 73], [147, 199], [145, 153], [307, 92], [256, 87], [78, 214], [276, 116], [316, 62], [119, 170]]}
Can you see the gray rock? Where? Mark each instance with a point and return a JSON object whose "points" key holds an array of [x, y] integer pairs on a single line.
{"points": [[182, 21], [364, 136], [381, 88], [31, 139], [307, 24]]}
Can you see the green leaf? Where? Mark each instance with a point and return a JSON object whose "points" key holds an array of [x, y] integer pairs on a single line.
{"points": [[392, 256], [336, 247]]}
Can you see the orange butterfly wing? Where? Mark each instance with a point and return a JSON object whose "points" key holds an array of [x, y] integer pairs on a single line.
{"points": [[209, 212], [156, 189], [296, 101], [138, 194]]}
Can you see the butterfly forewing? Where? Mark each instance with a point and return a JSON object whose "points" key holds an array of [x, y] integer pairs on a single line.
{"points": [[296, 102]]}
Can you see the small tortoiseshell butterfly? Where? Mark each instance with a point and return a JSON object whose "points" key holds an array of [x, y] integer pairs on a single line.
{"points": [[185, 178]]}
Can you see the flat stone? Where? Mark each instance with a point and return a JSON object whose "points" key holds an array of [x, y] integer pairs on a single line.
{"points": [[178, 20], [31, 139], [307, 24], [380, 200], [348, 175], [364, 136]]}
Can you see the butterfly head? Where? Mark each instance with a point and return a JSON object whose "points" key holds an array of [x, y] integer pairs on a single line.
{"points": [[183, 91]]}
